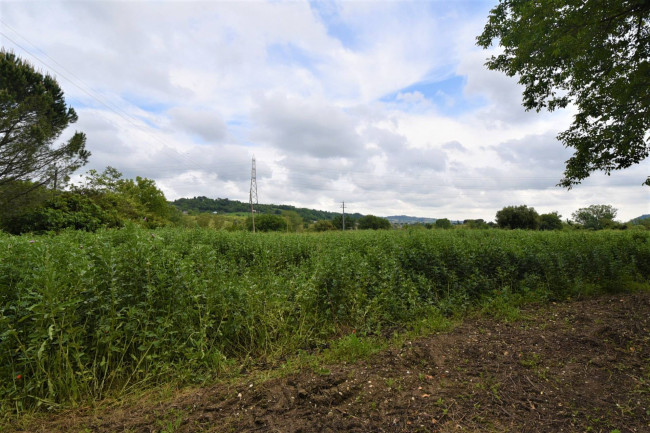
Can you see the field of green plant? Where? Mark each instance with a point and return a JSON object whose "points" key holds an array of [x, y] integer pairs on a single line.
{"points": [[87, 315]]}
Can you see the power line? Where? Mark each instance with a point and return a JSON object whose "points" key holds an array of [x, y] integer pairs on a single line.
{"points": [[168, 149]]}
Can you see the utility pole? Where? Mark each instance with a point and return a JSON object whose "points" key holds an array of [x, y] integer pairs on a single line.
{"points": [[253, 193], [343, 219]]}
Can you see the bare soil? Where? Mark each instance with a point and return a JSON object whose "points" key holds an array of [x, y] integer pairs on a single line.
{"points": [[579, 366]]}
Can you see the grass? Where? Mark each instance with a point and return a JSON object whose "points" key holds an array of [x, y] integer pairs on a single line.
{"points": [[351, 349], [90, 316]]}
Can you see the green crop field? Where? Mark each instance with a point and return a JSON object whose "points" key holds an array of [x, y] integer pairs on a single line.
{"points": [[87, 315]]}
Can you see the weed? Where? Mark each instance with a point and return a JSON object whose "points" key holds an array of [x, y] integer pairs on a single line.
{"points": [[130, 311], [171, 421], [531, 362], [352, 348]]}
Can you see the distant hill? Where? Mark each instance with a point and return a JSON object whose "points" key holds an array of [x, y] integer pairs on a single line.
{"points": [[642, 217], [404, 219], [223, 205]]}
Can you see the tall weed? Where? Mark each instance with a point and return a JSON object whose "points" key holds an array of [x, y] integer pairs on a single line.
{"points": [[86, 314]]}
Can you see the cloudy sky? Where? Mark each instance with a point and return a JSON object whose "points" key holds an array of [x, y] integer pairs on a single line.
{"points": [[385, 105]]}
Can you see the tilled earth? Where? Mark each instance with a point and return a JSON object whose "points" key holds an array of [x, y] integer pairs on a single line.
{"points": [[580, 366]]}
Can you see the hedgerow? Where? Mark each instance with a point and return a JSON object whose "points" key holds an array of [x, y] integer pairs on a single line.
{"points": [[84, 315]]}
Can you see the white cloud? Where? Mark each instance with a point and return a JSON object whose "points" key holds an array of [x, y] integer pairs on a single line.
{"points": [[306, 127], [205, 124], [187, 92]]}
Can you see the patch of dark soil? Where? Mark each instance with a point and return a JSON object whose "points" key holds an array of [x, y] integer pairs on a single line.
{"points": [[577, 366]]}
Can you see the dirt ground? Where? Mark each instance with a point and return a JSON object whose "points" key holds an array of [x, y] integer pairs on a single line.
{"points": [[580, 366]]}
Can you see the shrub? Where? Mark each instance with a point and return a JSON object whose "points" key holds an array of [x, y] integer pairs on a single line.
{"points": [[373, 222], [267, 223], [65, 210], [518, 217], [323, 226], [550, 221]]}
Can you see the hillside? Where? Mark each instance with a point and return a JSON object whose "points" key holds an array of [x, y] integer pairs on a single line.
{"points": [[203, 204], [224, 205], [404, 219]]}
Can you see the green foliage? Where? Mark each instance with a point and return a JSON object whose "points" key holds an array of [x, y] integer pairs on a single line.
{"points": [[373, 222], [518, 217], [224, 205], [144, 192], [350, 222], [593, 54], [640, 222], [105, 200], [64, 210], [323, 226], [130, 199], [476, 224], [267, 223], [33, 114], [550, 221], [352, 348], [443, 223], [294, 221], [20, 197], [596, 216], [86, 315]]}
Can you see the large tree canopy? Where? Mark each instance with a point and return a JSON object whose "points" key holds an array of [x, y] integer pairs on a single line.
{"points": [[518, 217], [592, 53], [33, 114], [596, 216]]}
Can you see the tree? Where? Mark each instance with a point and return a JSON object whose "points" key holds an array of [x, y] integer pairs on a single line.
{"points": [[25, 198], [203, 220], [136, 199], [443, 223], [145, 192], [476, 224], [518, 217], [64, 210], [373, 222], [592, 53], [267, 223], [550, 221], [350, 222], [596, 216], [33, 114], [323, 226], [295, 222]]}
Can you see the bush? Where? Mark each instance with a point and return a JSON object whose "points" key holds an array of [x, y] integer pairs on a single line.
{"points": [[323, 226], [373, 222], [267, 223], [596, 216], [476, 224], [65, 210], [550, 221], [518, 217]]}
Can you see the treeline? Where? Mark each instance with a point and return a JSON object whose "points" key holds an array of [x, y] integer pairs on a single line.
{"points": [[102, 200], [202, 204]]}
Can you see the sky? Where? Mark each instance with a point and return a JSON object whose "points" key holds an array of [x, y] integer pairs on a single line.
{"points": [[384, 105]]}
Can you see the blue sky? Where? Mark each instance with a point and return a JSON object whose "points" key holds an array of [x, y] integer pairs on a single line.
{"points": [[385, 105]]}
